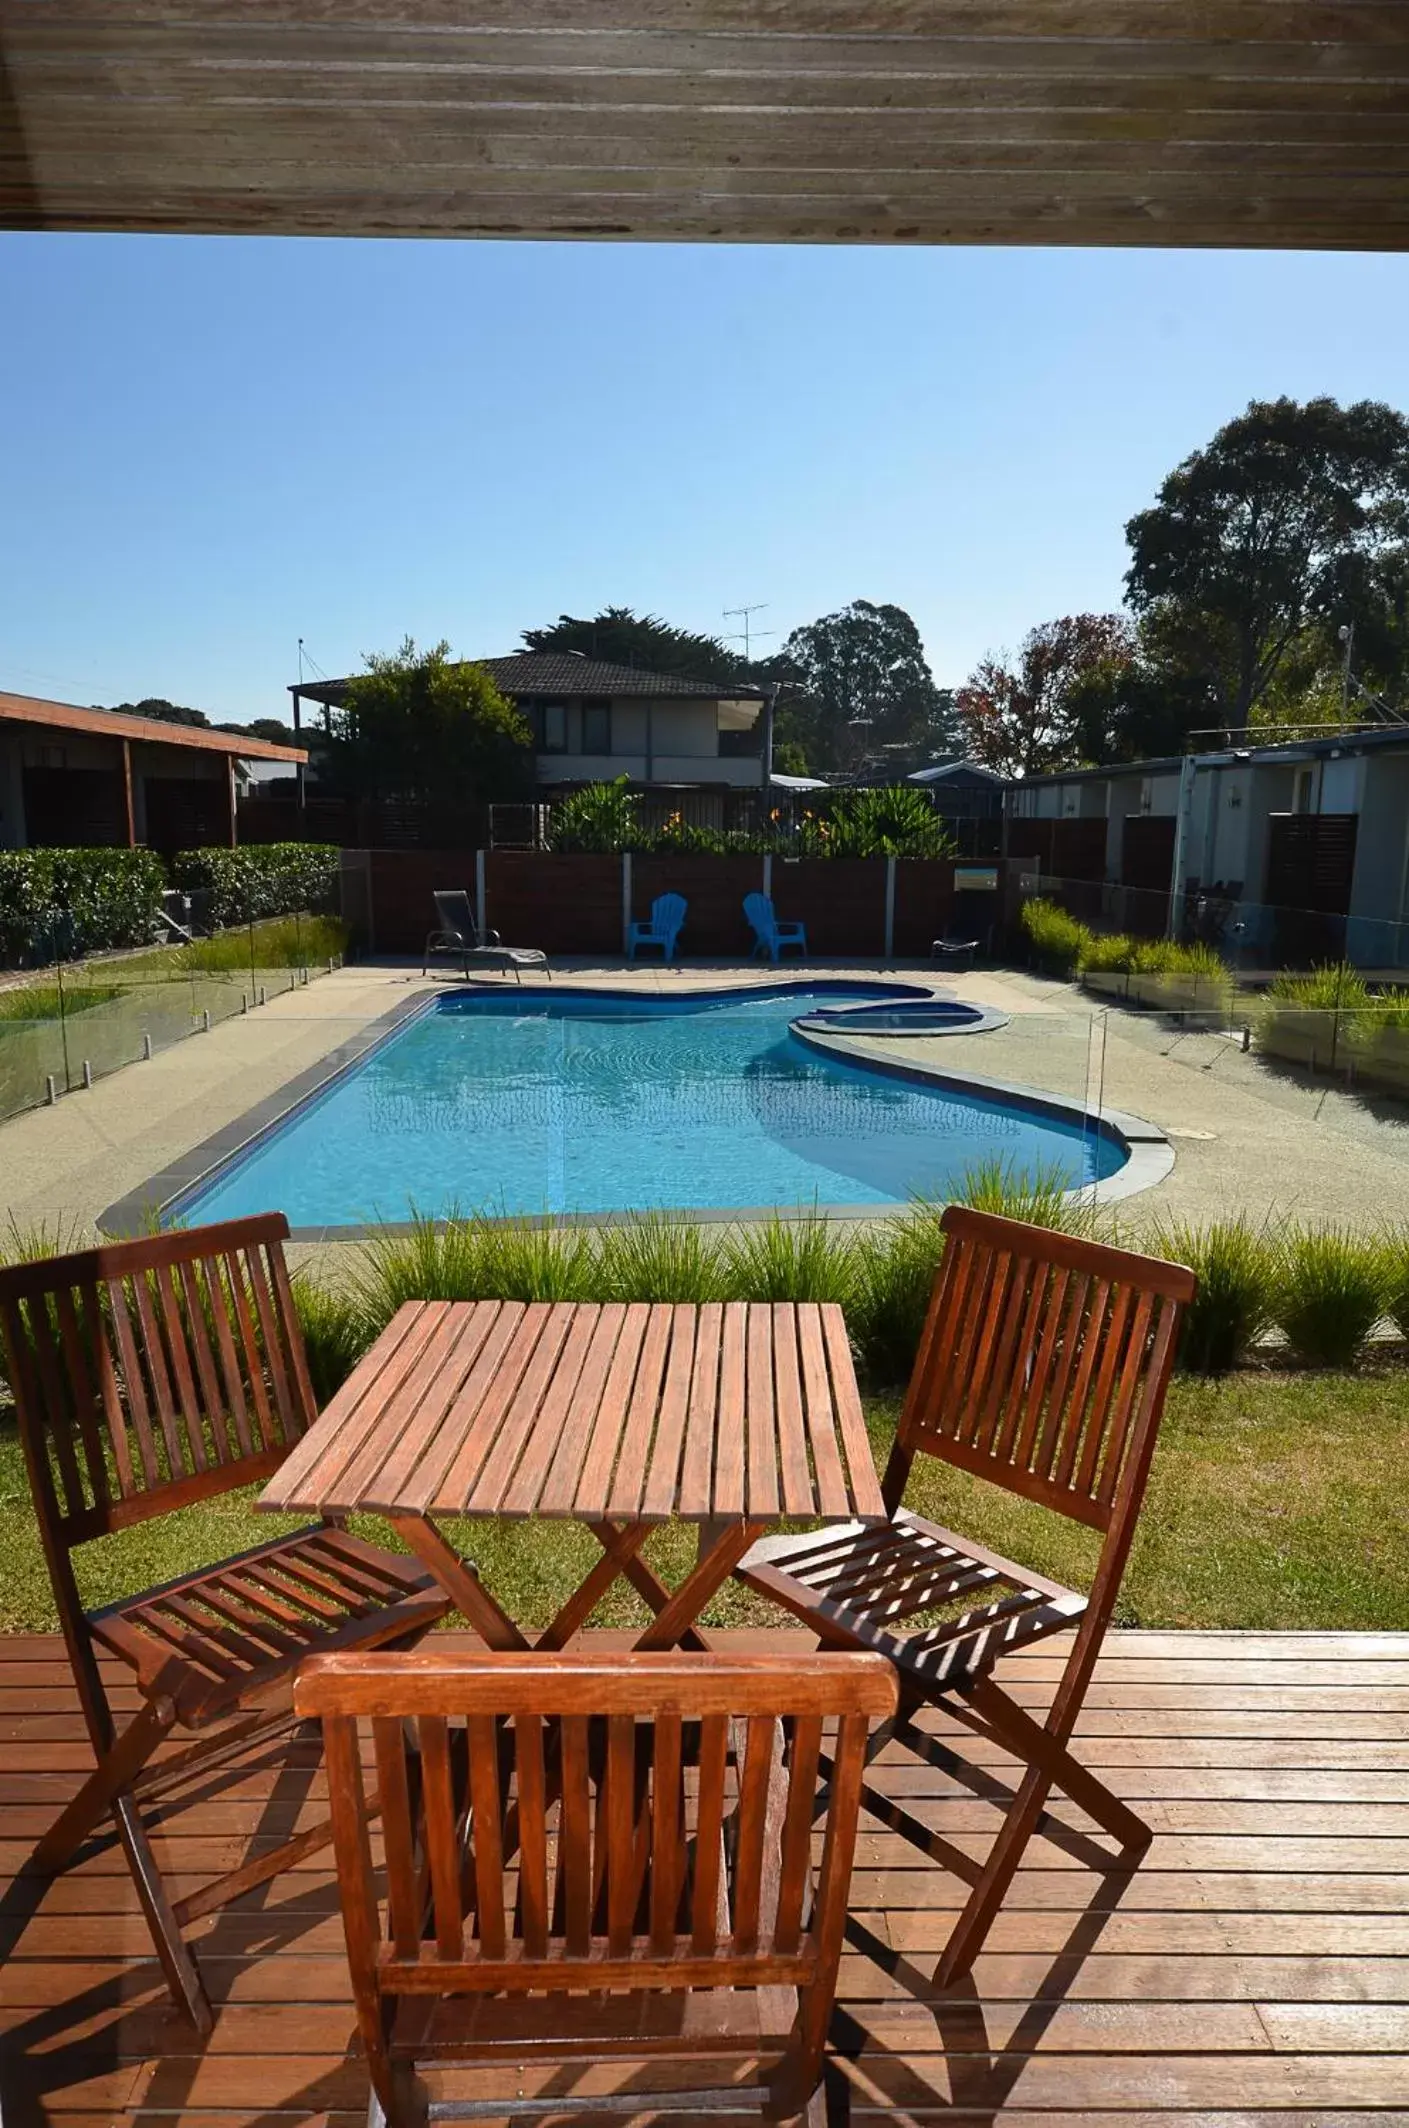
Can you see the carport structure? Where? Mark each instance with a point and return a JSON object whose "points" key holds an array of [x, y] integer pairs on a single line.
{"points": [[1165, 122]]}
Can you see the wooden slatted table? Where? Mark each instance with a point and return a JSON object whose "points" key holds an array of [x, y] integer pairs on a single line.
{"points": [[620, 1416]]}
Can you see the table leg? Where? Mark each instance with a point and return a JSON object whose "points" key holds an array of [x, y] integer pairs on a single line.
{"points": [[643, 1579], [619, 1553], [460, 1583], [676, 1618]]}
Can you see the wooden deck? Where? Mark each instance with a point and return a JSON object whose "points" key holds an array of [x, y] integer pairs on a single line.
{"points": [[1254, 1971]]}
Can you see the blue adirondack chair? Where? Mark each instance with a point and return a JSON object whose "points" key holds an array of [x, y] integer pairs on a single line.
{"points": [[666, 923], [770, 936]]}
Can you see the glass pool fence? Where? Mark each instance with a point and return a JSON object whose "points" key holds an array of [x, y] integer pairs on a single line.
{"points": [[75, 1021]]}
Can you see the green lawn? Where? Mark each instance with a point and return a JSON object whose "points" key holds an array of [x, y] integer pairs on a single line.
{"points": [[1277, 1501]]}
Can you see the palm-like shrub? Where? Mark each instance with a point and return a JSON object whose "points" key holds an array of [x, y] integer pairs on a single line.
{"points": [[601, 819], [896, 822], [1331, 1290]]}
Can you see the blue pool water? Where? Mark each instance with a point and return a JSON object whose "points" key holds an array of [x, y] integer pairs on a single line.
{"points": [[533, 1104]]}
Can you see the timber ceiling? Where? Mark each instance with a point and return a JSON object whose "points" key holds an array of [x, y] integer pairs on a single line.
{"points": [[1178, 122]]}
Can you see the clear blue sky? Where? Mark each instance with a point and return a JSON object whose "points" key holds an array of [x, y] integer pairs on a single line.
{"points": [[210, 448]]}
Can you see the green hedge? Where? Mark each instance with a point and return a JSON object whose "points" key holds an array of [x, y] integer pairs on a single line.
{"points": [[58, 903], [265, 879]]}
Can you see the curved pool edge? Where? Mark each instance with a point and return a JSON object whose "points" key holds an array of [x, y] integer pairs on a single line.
{"points": [[1149, 1154]]}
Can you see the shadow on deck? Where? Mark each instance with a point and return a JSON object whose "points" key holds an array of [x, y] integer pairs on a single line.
{"points": [[1254, 1970]]}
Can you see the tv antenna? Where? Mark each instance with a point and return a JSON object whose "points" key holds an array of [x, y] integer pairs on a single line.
{"points": [[747, 633]]}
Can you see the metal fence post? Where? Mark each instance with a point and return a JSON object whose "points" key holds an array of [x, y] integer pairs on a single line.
{"points": [[890, 908], [480, 894], [626, 902]]}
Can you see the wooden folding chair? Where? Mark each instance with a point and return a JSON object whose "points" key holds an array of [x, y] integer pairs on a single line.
{"points": [[586, 1875], [149, 1375], [1042, 1367]]}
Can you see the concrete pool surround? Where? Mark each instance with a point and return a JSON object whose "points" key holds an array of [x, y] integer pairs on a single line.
{"points": [[1149, 1155]]}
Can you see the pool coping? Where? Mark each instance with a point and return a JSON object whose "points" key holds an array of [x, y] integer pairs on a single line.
{"points": [[1149, 1153], [1149, 1150], [135, 1212]]}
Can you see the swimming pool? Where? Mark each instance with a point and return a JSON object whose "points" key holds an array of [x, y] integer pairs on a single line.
{"points": [[533, 1102]]}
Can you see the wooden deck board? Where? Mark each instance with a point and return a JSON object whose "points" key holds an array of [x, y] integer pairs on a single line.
{"points": [[1254, 1972]]}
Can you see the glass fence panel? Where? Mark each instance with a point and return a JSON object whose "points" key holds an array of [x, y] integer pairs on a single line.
{"points": [[31, 1060], [78, 1021]]}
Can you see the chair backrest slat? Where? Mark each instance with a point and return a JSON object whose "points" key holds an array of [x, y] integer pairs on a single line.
{"points": [[667, 1831], [232, 1379], [405, 1895], [1043, 1364], [442, 1836], [190, 1417], [575, 1852], [752, 1826], [137, 1366], [708, 1920], [534, 1910], [636, 1812], [247, 1351], [210, 1396], [797, 1831]]}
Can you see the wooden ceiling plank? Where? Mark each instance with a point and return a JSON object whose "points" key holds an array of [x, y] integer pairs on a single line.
{"points": [[1175, 121]]}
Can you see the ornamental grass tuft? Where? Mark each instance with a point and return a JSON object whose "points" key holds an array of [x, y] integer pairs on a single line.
{"points": [[335, 1332], [653, 1257], [1331, 1290], [1237, 1268], [807, 1257], [1396, 1292], [1058, 940], [1043, 1196], [896, 1263]]}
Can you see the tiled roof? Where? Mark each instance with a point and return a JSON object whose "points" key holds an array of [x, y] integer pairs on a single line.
{"points": [[556, 672]]}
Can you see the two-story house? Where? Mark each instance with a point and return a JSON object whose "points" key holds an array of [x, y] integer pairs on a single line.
{"points": [[593, 720]]}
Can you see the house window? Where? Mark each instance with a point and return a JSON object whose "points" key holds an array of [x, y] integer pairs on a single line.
{"points": [[550, 726], [1301, 801], [596, 727]]}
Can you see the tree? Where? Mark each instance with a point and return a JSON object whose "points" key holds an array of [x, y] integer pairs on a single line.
{"points": [[789, 755], [1038, 715], [163, 711], [422, 724], [621, 637], [273, 729], [1289, 523], [859, 684]]}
